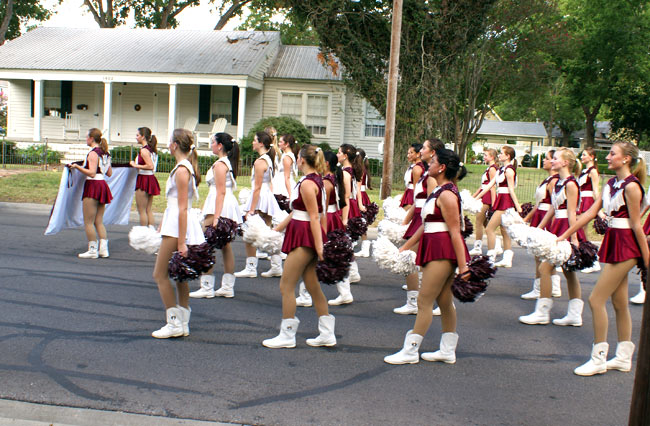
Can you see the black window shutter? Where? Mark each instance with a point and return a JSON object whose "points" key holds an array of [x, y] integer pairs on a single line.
{"points": [[234, 105], [66, 98], [204, 104], [32, 87]]}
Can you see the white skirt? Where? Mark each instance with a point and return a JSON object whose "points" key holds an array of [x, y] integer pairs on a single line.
{"points": [[230, 209], [279, 187], [266, 203], [169, 225]]}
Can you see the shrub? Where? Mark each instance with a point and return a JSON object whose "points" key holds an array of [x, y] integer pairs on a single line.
{"points": [[8, 149], [35, 154], [283, 125]]}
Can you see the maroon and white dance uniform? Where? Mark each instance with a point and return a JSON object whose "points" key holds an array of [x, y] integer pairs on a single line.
{"points": [[435, 243], [146, 180], [619, 243], [646, 225], [504, 200], [543, 200], [586, 190], [420, 198], [560, 221], [96, 187], [354, 210], [407, 197], [485, 180], [365, 200], [298, 232], [334, 221]]}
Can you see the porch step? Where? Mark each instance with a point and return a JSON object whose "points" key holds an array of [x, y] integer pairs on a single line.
{"points": [[75, 153]]}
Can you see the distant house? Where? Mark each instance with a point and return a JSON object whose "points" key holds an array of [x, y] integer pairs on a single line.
{"points": [[121, 79]]}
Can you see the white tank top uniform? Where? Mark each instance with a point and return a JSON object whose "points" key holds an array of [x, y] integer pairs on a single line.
{"points": [[279, 186], [169, 225], [230, 209], [266, 202]]}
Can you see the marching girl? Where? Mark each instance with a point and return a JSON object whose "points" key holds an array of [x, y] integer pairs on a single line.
{"points": [[440, 251], [284, 178], [624, 246], [364, 200], [506, 198], [179, 228], [490, 158], [303, 243], [639, 298], [351, 166], [221, 202], [565, 199], [589, 182], [423, 188], [262, 202], [96, 193], [412, 175], [542, 204], [332, 183], [146, 185]]}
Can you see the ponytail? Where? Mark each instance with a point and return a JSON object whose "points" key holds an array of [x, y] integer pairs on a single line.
{"points": [[637, 163], [233, 157], [340, 186], [194, 159], [640, 170], [96, 135], [103, 144], [577, 168], [357, 166], [152, 142], [265, 139], [314, 156], [185, 142], [366, 166], [231, 148]]}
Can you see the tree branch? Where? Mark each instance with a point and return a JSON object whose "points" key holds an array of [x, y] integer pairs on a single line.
{"points": [[9, 13], [232, 10]]}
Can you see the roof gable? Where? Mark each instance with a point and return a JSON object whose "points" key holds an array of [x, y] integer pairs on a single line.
{"points": [[301, 62]]}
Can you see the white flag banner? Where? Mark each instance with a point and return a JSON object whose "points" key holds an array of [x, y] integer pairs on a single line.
{"points": [[67, 210]]}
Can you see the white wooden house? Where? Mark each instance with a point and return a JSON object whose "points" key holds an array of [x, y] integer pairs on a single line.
{"points": [[120, 79]]}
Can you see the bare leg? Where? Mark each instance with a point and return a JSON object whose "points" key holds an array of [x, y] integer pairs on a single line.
{"points": [[141, 200], [491, 229], [436, 275], [313, 287], [161, 271], [89, 206], [150, 218], [183, 294], [507, 242], [480, 219], [447, 308], [545, 270], [99, 221], [573, 285], [295, 265], [228, 259], [413, 282]]}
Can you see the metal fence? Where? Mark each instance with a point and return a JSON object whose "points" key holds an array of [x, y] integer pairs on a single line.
{"points": [[36, 157]]}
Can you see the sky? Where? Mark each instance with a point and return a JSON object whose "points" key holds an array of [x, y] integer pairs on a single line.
{"points": [[73, 14]]}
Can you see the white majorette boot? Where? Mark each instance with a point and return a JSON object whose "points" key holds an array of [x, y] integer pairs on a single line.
{"points": [[639, 299], [276, 267], [326, 330], [250, 271], [287, 336], [542, 314], [345, 296], [623, 359], [478, 248], [598, 362], [410, 351], [92, 251], [365, 249], [498, 246], [556, 287], [185, 319], [447, 352], [261, 255], [174, 326], [354, 272], [492, 256], [103, 248], [304, 298], [207, 288], [227, 288], [534, 293], [411, 307], [506, 260], [573, 315]]}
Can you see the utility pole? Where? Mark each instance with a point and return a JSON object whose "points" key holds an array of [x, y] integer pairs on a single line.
{"points": [[640, 405], [391, 100]]}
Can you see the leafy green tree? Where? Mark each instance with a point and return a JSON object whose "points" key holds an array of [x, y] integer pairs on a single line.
{"points": [[282, 125], [294, 29], [110, 16], [630, 111], [13, 13]]}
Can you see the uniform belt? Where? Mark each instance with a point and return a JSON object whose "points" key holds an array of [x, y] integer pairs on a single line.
{"points": [[561, 214], [584, 194], [172, 203], [145, 172], [409, 186], [300, 215], [619, 222], [420, 202], [484, 185], [98, 176], [331, 209], [543, 206], [433, 227], [363, 188], [503, 190]]}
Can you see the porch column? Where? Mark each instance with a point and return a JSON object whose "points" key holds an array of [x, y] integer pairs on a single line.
{"points": [[38, 109], [241, 113], [108, 104], [171, 119]]}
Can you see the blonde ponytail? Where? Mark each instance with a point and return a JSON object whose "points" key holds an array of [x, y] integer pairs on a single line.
{"points": [[637, 163]]}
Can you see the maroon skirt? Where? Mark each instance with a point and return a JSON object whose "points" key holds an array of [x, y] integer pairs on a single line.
{"points": [[416, 221], [334, 221], [586, 203], [97, 189], [559, 227], [618, 245], [487, 198], [298, 234], [365, 200], [537, 219], [646, 226], [148, 184], [407, 198], [436, 246], [354, 209], [503, 202]]}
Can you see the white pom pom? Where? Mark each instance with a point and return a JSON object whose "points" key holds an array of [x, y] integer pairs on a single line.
{"points": [[389, 257], [244, 195], [469, 203], [144, 238], [395, 214], [391, 202], [279, 217], [391, 230], [261, 236]]}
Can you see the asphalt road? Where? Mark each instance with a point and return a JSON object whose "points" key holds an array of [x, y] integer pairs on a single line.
{"points": [[76, 333]]}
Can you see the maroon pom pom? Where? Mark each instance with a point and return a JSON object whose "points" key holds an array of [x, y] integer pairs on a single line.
{"points": [[525, 209], [469, 227], [225, 232], [337, 255], [581, 257], [370, 214], [199, 259], [357, 226], [283, 202], [471, 285], [600, 225]]}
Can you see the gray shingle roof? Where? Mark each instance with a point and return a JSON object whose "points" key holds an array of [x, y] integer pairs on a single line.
{"points": [[300, 62], [512, 128], [140, 50]]}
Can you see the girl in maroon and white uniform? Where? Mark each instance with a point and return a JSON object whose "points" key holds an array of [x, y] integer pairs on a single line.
{"points": [[624, 246], [412, 175], [589, 181], [303, 244], [146, 185], [490, 158], [440, 252], [363, 199], [96, 193]]}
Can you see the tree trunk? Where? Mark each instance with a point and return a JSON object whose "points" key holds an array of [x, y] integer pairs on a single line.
{"points": [[590, 116], [566, 137], [9, 13], [236, 6]]}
